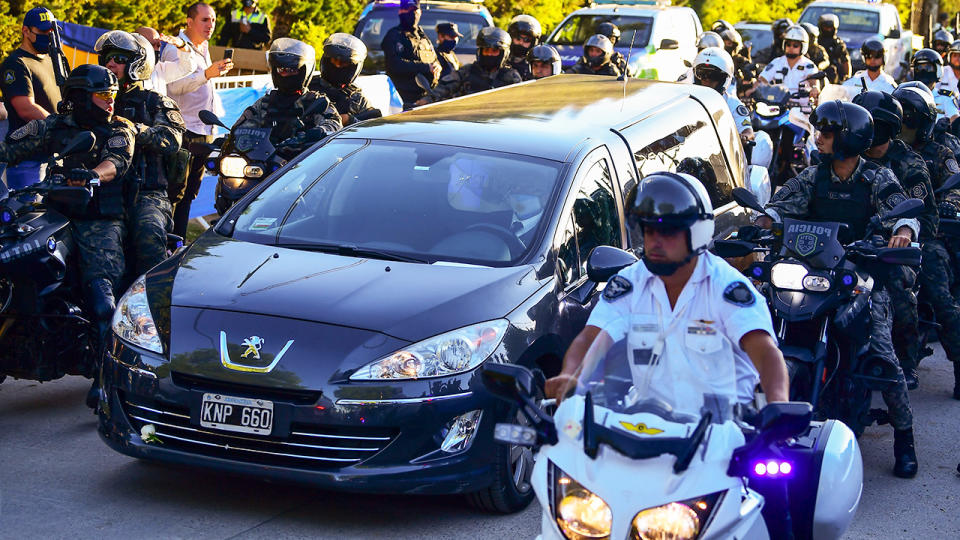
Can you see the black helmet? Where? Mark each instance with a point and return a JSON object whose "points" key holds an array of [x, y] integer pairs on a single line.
{"points": [[525, 25], [886, 112], [851, 125], [720, 26], [288, 53], [139, 52], [941, 40], [778, 27], [547, 54], [927, 66], [610, 30], [811, 29], [493, 38], [601, 42], [730, 34], [872, 46], [345, 48], [78, 90], [709, 39], [919, 109], [673, 201], [828, 23]]}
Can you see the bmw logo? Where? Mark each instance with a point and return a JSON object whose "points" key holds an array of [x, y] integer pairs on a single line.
{"points": [[51, 244]]}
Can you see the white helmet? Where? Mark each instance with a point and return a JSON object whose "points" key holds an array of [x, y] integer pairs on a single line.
{"points": [[797, 33], [709, 39], [716, 57], [673, 200]]}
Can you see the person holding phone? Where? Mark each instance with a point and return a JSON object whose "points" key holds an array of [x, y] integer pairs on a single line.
{"points": [[167, 71]]}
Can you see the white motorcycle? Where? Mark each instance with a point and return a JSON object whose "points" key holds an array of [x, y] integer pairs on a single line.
{"points": [[628, 455]]}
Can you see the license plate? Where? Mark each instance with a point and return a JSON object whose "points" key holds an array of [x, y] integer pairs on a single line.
{"points": [[237, 414]]}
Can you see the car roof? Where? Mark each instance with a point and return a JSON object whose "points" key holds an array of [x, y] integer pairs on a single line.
{"points": [[474, 7], [648, 11], [869, 6], [548, 118], [753, 25]]}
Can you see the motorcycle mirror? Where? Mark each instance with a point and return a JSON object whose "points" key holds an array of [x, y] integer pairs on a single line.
{"points": [[952, 183], [819, 76], [605, 261], [909, 208], [75, 197], [906, 256], [783, 420], [746, 199], [80, 143], [729, 249], [507, 381], [210, 119]]}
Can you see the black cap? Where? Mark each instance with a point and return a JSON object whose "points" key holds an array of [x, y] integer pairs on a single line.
{"points": [[405, 4], [449, 29]]}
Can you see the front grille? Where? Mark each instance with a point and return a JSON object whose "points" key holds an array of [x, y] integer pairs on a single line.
{"points": [[202, 384], [308, 446]]}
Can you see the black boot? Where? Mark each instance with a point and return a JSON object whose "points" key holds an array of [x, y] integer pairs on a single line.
{"points": [[904, 453], [101, 303]]}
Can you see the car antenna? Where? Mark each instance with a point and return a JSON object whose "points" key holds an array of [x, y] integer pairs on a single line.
{"points": [[626, 69]]}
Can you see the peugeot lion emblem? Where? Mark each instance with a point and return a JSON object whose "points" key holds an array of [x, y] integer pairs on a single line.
{"points": [[251, 348]]}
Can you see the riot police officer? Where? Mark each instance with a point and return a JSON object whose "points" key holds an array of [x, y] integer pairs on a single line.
{"points": [[159, 127], [489, 71], [613, 34], [98, 228], [448, 36], [941, 42], [815, 52], [544, 61], [927, 68], [408, 53], [597, 52], [286, 108], [847, 189], [524, 33], [340, 64], [839, 69], [744, 71]]}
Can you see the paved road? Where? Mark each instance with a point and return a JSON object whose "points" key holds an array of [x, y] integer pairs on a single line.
{"points": [[57, 480]]}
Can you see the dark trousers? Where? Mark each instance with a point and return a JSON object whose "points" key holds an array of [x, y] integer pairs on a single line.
{"points": [[181, 214]]}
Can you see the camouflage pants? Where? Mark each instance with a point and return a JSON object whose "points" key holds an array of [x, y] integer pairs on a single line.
{"points": [[935, 278], [896, 398], [148, 222], [100, 247], [906, 321]]}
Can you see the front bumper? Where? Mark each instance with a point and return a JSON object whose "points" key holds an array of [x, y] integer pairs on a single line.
{"points": [[348, 445]]}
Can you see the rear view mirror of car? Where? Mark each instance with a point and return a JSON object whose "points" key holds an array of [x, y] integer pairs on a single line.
{"points": [[669, 44], [605, 261]]}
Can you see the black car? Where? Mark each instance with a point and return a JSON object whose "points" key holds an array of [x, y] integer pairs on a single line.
{"points": [[381, 15], [328, 330]]}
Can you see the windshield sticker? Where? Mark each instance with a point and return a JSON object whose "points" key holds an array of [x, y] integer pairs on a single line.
{"points": [[262, 223]]}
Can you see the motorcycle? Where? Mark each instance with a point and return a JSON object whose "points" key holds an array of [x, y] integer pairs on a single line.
{"points": [[949, 232], [43, 325], [819, 291], [634, 451]]}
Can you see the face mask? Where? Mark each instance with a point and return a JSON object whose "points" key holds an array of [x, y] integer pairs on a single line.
{"points": [[42, 43], [446, 46], [489, 63], [926, 77], [410, 19], [519, 51], [338, 76], [730, 49], [828, 33]]}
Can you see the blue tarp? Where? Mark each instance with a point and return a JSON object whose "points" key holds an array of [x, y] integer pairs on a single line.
{"points": [[79, 36]]}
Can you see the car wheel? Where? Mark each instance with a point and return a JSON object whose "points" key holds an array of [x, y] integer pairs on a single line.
{"points": [[511, 490]]}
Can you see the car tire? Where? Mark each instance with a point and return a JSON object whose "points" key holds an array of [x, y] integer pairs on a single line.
{"points": [[511, 490]]}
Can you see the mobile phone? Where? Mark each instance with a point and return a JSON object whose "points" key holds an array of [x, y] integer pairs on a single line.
{"points": [[228, 54]]}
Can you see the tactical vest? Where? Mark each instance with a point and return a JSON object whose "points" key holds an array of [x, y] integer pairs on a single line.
{"points": [[479, 80], [147, 172], [107, 200], [256, 17], [284, 114], [897, 161], [844, 202]]}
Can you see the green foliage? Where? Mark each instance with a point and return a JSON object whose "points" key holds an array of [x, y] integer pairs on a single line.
{"points": [[548, 12], [770, 10]]}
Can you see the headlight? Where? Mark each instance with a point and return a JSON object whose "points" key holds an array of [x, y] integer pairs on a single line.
{"points": [[447, 354], [233, 166], [679, 520], [767, 110], [788, 276], [132, 321], [816, 283], [580, 513], [253, 171]]}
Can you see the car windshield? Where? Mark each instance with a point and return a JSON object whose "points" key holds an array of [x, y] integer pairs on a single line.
{"points": [[426, 202], [759, 38], [851, 19], [579, 28], [377, 23]]}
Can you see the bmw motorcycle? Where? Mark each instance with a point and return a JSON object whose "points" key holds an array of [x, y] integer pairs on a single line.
{"points": [[44, 331], [819, 290], [636, 452]]}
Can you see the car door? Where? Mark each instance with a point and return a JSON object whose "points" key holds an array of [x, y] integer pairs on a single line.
{"points": [[590, 218]]}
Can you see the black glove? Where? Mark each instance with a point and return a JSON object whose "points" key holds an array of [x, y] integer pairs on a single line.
{"points": [[948, 210], [84, 175]]}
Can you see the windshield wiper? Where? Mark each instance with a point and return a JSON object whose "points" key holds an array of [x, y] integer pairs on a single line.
{"points": [[354, 251]]}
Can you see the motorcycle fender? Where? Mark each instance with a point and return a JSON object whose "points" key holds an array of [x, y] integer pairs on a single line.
{"points": [[841, 481]]}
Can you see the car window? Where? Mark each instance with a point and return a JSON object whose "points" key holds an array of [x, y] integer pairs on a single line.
{"points": [[579, 28], [378, 23], [433, 202], [595, 212], [568, 256], [760, 39], [851, 20]]}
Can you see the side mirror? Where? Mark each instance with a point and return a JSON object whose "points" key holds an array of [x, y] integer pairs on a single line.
{"points": [[729, 249], [605, 261], [210, 119], [68, 197], [952, 183], [746, 199], [906, 256], [909, 208], [780, 421], [669, 44], [894, 34], [80, 143], [757, 180], [687, 63], [508, 382]]}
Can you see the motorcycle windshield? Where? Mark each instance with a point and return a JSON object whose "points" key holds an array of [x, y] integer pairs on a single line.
{"points": [[640, 393], [254, 143], [772, 94], [816, 242]]}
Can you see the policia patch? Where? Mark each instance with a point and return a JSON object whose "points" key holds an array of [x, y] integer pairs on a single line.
{"points": [[616, 287], [738, 294]]}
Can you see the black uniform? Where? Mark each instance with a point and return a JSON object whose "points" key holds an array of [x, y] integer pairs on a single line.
{"points": [[24, 74], [520, 64], [839, 69], [818, 55], [256, 38], [408, 53], [583, 68], [472, 78], [160, 130], [619, 60], [448, 63], [348, 100], [744, 72]]}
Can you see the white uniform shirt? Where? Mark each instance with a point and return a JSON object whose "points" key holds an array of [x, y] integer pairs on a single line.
{"points": [[194, 92], [946, 99], [167, 71], [950, 78], [778, 71], [883, 82], [716, 308]]}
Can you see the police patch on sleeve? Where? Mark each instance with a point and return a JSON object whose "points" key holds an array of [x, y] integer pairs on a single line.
{"points": [[174, 117], [616, 287], [952, 166], [918, 191], [117, 142], [738, 294], [27, 130], [168, 103], [742, 111], [895, 199], [9, 76]]}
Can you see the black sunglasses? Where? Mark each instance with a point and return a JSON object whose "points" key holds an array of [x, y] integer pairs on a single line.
{"points": [[118, 57]]}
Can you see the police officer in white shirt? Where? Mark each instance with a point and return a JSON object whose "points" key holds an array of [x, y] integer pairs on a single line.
{"points": [[951, 72], [713, 68], [928, 68], [702, 312], [793, 68], [873, 78]]}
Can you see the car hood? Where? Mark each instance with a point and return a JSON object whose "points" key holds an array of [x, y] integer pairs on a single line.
{"points": [[407, 301]]}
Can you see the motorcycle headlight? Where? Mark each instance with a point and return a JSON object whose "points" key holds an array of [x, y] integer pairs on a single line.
{"points": [[767, 110], [447, 354], [580, 513], [233, 166], [253, 171], [132, 321], [681, 520], [788, 276], [816, 283]]}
